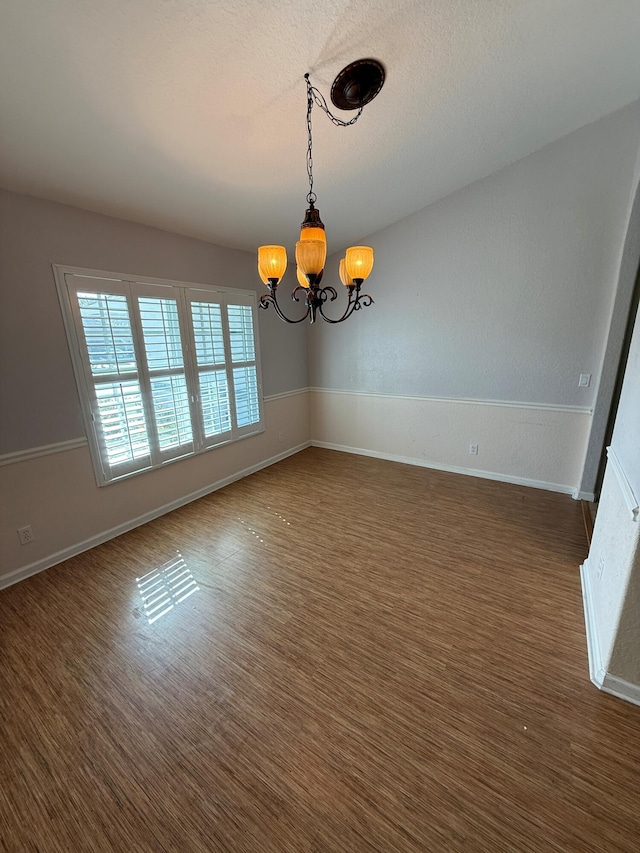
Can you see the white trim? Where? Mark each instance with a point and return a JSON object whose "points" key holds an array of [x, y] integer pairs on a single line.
{"points": [[602, 679], [625, 486], [621, 688], [467, 401], [105, 535], [452, 469], [583, 496], [284, 394], [76, 443], [44, 450], [596, 670], [61, 269]]}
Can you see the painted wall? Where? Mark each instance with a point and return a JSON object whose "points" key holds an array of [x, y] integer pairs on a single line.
{"points": [[501, 293], [39, 398], [540, 447], [56, 493]]}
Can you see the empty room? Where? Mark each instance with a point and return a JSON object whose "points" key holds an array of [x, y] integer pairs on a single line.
{"points": [[320, 426]]}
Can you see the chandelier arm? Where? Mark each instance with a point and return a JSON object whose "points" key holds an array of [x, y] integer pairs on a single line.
{"points": [[303, 290], [329, 293], [354, 304], [348, 311], [364, 301], [271, 299]]}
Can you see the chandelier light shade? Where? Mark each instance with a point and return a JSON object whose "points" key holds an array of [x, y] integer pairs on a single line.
{"points": [[358, 263], [354, 87], [342, 272], [302, 279], [272, 263], [310, 257]]}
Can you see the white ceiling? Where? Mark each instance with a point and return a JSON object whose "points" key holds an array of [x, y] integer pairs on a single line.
{"points": [[190, 114]]}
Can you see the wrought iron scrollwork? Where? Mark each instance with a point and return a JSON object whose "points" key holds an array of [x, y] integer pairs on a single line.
{"points": [[315, 299]]}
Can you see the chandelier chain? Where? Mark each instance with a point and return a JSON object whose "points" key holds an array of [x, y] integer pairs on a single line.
{"points": [[314, 96]]}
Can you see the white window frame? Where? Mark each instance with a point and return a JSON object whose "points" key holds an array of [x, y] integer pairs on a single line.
{"points": [[69, 280]]}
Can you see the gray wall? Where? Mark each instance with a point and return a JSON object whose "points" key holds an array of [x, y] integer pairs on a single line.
{"points": [[501, 291], [38, 396]]}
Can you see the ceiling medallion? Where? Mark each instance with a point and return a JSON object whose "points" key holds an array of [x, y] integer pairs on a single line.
{"points": [[357, 84]]}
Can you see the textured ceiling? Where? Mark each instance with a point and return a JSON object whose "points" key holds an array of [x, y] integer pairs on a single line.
{"points": [[190, 114]]}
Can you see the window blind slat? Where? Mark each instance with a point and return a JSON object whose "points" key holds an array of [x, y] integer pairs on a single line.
{"points": [[107, 331], [124, 429], [207, 333], [241, 333], [163, 349], [161, 332], [172, 411], [245, 384], [214, 402]]}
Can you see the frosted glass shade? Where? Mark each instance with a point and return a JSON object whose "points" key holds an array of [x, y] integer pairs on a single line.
{"points": [[311, 233], [342, 272], [302, 279], [310, 256], [272, 262], [358, 262]]}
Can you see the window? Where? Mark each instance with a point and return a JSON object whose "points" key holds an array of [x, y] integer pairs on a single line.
{"points": [[164, 369]]}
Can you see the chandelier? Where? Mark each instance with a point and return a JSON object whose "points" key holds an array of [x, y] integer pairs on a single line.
{"points": [[354, 87]]}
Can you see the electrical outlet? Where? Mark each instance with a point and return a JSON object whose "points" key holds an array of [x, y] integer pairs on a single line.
{"points": [[280, 436], [26, 534], [600, 567], [473, 450], [584, 381]]}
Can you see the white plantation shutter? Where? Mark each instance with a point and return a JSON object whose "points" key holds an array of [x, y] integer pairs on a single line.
{"points": [[225, 347], [116, 402], [166, 374], [244, 368], [241, 333], [243, 359], [245, 385], [209, 350], [164, 370]]}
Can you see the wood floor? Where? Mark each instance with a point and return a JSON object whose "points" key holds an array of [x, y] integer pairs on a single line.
{"points": [[369, 657]]}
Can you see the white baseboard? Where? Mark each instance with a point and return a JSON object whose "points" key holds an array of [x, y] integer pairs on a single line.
{"points": [[452, 469], [583, 496], [106, 535], [602, 679], [596, 670], [621, 688]]}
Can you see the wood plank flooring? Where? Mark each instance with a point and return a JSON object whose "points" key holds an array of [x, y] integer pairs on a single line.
{"points": [[376, 658]]}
